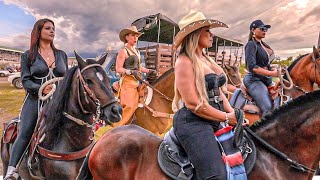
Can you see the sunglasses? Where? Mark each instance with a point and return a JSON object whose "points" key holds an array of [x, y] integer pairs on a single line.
{"points": [[263, 29]]}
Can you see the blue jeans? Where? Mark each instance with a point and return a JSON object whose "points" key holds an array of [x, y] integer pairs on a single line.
{"points": [[258, 90]]}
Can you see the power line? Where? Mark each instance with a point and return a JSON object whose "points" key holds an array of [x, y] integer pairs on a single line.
{"points": [[254, 16]]}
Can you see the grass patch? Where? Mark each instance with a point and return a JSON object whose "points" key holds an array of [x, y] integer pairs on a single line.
{"points": [[11, 100]]}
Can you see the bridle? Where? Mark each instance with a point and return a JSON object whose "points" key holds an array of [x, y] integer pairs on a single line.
{"points": [[316, 67], [88, 96], [230, 79]]}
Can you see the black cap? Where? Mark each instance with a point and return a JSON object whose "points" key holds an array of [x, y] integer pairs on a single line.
{"points": [[258, 23]]}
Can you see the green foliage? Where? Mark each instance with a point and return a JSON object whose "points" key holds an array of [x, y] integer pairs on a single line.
{"points": [[285, 62]]}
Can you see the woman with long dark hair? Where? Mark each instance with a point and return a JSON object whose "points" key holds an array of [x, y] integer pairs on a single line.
{"points": [[259, 55], [39, 64]]}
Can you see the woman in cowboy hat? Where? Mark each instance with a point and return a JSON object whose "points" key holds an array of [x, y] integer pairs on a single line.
{"points": [[258, 58], [197, 84], [128, 64]]}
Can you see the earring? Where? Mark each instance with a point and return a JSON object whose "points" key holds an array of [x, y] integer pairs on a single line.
{"points": [[254, 34]]}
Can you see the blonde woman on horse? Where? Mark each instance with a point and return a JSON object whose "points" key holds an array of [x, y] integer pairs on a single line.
{"points": [[258, 58], [198, 83], [128, 64]]}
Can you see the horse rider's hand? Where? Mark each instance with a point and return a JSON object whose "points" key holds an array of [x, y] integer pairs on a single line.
{"points": [[274, 72], [232, 118], [47, 89], [137, 74], [152, 72]]}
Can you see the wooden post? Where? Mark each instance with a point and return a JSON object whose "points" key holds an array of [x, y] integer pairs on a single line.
{"points": [[159, 31], [319, 41], [216, 55]]}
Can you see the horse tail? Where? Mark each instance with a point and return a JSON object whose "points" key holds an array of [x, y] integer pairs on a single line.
{"points": [[84, 172]]}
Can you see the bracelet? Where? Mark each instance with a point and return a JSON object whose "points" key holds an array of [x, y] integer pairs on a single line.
{"points": [[227, 119]]}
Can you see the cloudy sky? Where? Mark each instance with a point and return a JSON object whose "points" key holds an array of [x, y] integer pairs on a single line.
{"points": [[90, 26]]}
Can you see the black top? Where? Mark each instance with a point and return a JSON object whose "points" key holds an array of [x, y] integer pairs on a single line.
{"points": [[213, 82], [256, 57], [132, 62], [35, 75]]}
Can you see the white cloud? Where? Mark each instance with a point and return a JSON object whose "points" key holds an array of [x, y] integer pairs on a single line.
{"points": [[91, 26]]}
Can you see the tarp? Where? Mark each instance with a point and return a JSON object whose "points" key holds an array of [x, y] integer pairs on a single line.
{"points": [[149, 25]]}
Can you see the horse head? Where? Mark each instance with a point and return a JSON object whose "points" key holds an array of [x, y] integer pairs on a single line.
{"points": [[94, 93], [233, 74]]}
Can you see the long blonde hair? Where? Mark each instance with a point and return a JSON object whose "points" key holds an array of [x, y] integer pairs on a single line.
{"points": [[188, 48]]}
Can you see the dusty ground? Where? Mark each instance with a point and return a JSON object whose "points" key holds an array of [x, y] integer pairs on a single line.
{"points": [[11, 100]]}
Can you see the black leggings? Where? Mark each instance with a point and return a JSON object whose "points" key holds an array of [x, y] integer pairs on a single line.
{"points": [[29, 116], [259, 92], [196, 136]]}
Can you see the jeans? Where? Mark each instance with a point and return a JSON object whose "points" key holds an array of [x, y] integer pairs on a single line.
{"points": [[196, 136], [258, 90]]}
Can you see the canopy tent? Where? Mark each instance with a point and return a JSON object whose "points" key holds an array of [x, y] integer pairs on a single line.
{"points": [[156, 28]]}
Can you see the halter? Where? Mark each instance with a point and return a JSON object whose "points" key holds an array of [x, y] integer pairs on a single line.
{"points": [[316, 66]]}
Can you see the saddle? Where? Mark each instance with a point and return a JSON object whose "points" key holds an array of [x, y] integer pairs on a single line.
{"points": [[242, 100], [175, 163], [10, 131]]}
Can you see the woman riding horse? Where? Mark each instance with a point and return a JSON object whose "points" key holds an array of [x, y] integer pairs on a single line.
{"points": [[40, 63], [197, 85], [128, 64], [258, 58]]}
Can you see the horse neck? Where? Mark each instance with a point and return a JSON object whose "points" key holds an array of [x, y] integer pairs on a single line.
{"points": [[76, 136], [166, 85], [303, 74], [297, 135]]}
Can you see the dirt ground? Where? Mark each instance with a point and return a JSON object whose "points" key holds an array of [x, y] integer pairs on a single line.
{"points": [[11, 100]]}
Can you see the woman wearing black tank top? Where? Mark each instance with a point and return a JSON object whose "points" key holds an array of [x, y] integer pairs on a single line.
{"points": [[128, 64], [198, 81]]}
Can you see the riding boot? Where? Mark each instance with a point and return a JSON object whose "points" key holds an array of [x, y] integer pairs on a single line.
{"points": [[12, 173]]}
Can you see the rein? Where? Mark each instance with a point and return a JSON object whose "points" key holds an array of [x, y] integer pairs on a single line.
{"points": [[278, 153], [152, 87]]}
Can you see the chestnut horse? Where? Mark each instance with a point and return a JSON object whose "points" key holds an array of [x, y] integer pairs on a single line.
{"points": [[159, 124], [130, 152], [304, 72], [67, 121]]}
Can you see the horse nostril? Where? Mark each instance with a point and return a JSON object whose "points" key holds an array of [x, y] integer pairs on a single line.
{"points": [[114, 109]]}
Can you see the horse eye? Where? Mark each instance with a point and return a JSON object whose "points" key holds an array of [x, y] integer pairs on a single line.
{"points": [[88, 81]]}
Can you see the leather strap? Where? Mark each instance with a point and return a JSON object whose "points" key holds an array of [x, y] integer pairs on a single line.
{"points": [[64, 156], [157, 113]]}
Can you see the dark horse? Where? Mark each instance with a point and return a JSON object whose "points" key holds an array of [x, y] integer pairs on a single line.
{"points": [[130, 152], [83, 95]]}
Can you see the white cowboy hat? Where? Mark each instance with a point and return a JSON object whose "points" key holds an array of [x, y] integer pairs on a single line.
{"points": [[126, 31], [192, 22]]}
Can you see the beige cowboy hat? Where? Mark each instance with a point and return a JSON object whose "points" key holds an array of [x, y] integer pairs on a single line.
{"points": [[128, 30], [192, 22]]}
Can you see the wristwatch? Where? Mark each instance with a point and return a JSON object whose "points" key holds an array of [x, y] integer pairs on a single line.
{"points": [[128, 72]]}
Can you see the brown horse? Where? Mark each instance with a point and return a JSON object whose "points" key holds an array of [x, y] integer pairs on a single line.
{"points": [[130, 152], [159, 122], [68, 121], [304, 72], [234, 77]]}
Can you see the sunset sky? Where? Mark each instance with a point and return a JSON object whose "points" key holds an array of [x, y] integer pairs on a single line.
{"points": [[91, 26]]}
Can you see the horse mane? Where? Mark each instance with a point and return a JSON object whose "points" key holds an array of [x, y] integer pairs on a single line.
{"points": [[289, 108], [53, 110], [163, 76]]}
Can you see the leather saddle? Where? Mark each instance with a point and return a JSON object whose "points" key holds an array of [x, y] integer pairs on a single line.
{"points": [[10, 131], [175, 163], [242, 100]]}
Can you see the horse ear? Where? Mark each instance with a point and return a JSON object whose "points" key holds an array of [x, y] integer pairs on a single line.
{"points": [[102, 59], [227, 66], [316, 52], [81, 62]]}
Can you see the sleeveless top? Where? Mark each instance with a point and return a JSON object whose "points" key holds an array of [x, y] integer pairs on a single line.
{"points": [[132, 62], [213, 82]]}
